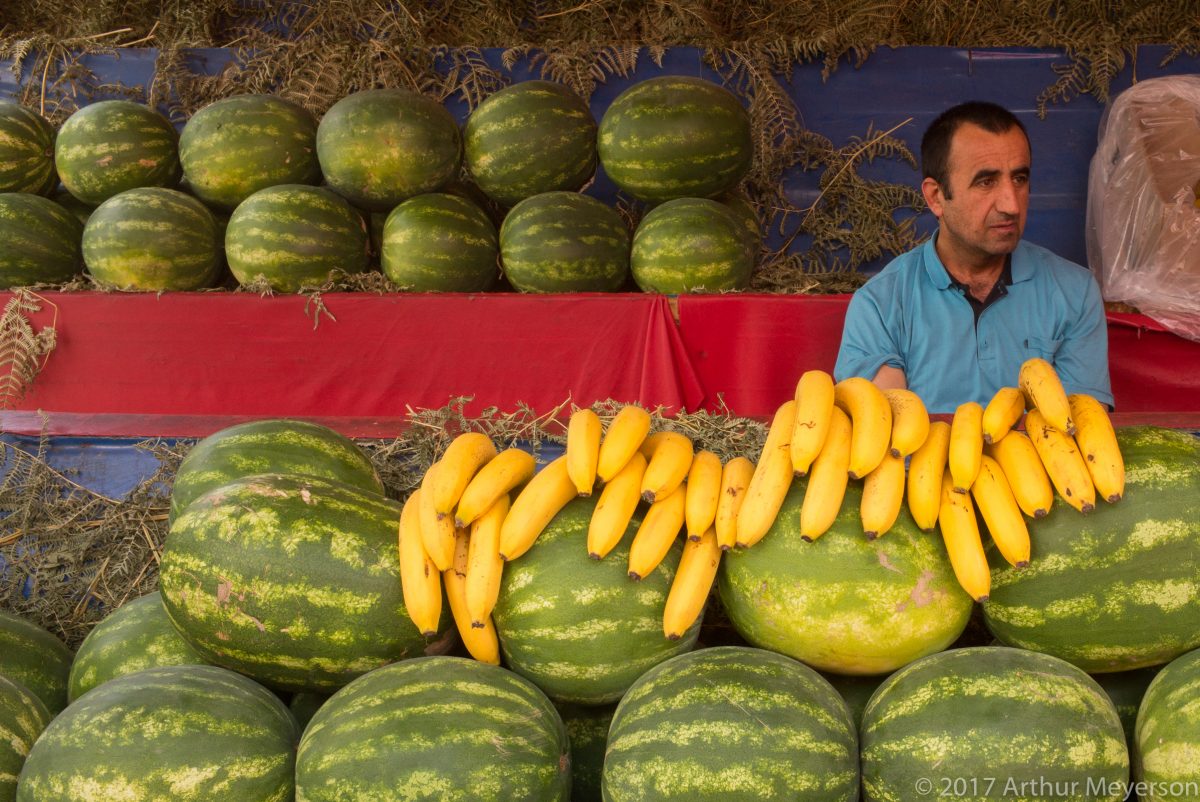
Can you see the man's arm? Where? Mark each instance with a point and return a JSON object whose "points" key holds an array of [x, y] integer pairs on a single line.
{"points": [[1082, 360], [868, 348], [890, 378]]}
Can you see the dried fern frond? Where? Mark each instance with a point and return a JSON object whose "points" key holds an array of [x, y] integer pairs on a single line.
{"points": [[23, 350]]}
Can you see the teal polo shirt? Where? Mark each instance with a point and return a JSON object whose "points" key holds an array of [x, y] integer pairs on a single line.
{"points": [[913, 316]]}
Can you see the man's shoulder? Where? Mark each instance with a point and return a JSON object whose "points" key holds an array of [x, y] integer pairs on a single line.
{"points": [[1049, 265], [901, 270]]}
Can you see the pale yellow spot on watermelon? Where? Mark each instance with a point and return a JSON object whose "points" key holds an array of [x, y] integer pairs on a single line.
{"points": [[1175, 760], [517, 580], [1147, 534], [582, 630], [118, 789], [594, 594], [532, 605]]}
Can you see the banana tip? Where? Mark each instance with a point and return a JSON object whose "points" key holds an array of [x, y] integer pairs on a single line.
{"points": [[594, 555], [870, 535], [983, 598], [1040, 513], [585, 494], [459, 523], [635, 576], [1085, 508], [477, 625], [895, 452], [1021, 564], [673, 636], [429, 633], [648, 497], [1114, 498], [854, 475], [961, 490], [725, 547], [806, 538], [693, 538], [987, 438]]}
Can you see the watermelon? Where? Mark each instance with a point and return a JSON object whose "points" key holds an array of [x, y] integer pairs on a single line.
{"points": [[529, 138], [992, 723], [178, 733], [305, 705], [232, 148], [1166, 742], [692, 245], [294, 236], [842, 603], [1126, 689], [135, 636], [675, 137], [1119, 588], [293, 581], [440, 243], [115, 145], [856, 691], [564, 242], [731, 723], [382, 146], [579, 628], [587, 729], [74, 205], [41, 241], [271, 445], [26, 151], [36, 659], [23, 717], [436, 728], [153, 239]]}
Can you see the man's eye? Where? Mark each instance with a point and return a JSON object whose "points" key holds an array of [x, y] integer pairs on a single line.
{"points": [[1021, 180]]}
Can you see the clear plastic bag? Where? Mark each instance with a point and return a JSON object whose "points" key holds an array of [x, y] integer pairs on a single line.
{"points": [[1143, 215]]}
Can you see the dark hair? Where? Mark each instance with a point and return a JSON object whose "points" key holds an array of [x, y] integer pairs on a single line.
{"points": [[935, 144]]}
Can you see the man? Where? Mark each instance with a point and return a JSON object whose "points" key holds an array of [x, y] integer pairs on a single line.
{"points": [[954, 319]]}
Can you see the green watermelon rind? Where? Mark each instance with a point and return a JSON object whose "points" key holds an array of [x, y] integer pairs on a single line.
{"points": [[36, 659], [23, 717], [1166, 742], [691, 245], [41, 241], [439, 242], [26, 151]]}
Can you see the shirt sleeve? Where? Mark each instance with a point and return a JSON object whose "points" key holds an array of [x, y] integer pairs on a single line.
{"points": [[1082, 360], [868, 342]]}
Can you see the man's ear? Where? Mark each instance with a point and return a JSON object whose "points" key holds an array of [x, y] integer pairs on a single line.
{"points": [[934, 198]]}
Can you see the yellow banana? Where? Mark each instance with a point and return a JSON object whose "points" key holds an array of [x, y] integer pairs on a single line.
{"points": [[827, 480], [956, 518], [465, 455], [481, 642], [437, 531], [1097, 441], [670, 459], [910, 421], [692, 583], [814, 407], [583, 449], [735, 478], [1025, 473], [925, 471], [420, 582], [1002, 413], [1000, 512], [1044, 392], [871, 415], [625, 434], [770, 481], [656, 534], [883, 495], [613, 512], [510, 468], [538, 502], [1064, 464], [966, 445], [484, 566], [703, 492]]}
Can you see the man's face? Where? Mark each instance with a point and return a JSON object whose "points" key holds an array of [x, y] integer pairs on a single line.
{"points": [[982, 211]]}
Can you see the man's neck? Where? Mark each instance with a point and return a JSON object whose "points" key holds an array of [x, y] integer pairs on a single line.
{"points": [[978, 275]]}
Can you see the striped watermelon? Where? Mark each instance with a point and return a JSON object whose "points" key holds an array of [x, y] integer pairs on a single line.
{"points": [[581, 629], [992, 723], [153, 239], [382, 146], [437, 728], [305, 705], [74, 205], [692, 245], [115, 145], [26, 151], [1166, 741], [529, 138], [23, 717], [731, 723], [36, 659], [294, 581], [842, 603], [272, 445], [440, 243], [1119, 588], [1126, 689], [564, 242], [587, 728], [232, 148], [178, 733], [675, 137], [294, 235], [41, 241], [856, 691], [136, 636]]}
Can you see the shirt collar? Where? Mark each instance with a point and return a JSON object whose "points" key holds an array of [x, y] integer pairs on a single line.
{"points": [[1020, 267]]}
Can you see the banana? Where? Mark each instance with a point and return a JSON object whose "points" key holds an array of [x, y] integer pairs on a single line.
{"points": [[735, 478], [465, 455], [827, 480], [420, 582], [692, 584], [1064, 464], [871, 415], [703, 493], [547, 492], [437, 531], [1000, 512], [481, 642], [670, 459], [770, 481], [625, 434], [966, 445], [1002, 413], [1044, 392], [910, 421], [656, 534], [1097, 442], [814, 407], [484, 566], [613, 512], [1025, 473], [510, 468], [583, 449], [925, 471], [956, 518], [883, 495]]}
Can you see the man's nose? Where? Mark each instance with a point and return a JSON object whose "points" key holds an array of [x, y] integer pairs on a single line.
{"points": [[1008, 200]]}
